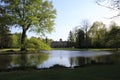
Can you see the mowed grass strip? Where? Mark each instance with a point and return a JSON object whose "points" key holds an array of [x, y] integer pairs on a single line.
{"points": [[94, 72]]}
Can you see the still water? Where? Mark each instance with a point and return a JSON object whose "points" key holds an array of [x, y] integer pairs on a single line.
{"points": [[66, 58]]}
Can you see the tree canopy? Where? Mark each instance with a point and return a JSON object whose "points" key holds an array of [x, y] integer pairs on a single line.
{"points": [[29, 15], [98, 36]]}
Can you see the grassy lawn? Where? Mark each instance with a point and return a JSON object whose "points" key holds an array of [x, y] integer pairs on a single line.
{"points": [[15, 49], [94, 72]]}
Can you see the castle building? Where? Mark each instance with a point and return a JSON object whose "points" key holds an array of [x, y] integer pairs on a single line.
{"points": [[59, 44]]}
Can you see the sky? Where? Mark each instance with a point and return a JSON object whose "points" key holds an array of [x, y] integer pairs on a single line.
{"points": [[70, 13]]}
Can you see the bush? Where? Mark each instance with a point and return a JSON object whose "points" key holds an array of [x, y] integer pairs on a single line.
{"points": [[37, 44]]}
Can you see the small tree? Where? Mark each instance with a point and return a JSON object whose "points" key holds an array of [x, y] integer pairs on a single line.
{"points": [[28, 15], [71, 39], [80, 39]]}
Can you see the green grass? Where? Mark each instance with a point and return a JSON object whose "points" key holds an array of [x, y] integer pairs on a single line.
{"points": [[17, 50], [5, 49], [94, 72]]}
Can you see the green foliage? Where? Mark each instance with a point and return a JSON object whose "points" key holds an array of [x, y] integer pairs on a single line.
{"points": [[80, 39], [71, 39], [38, 44], [97, 33], [113, 36], [98, 36], [16, 40], [47, 41], [33, 15], [5, 36]]}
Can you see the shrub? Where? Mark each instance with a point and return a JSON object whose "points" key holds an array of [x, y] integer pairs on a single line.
{"points": [[38, 44]]}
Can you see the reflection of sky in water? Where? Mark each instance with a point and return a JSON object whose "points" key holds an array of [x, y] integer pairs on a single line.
{"points": [[65, 53], [62, 57], [48, 59], [53, 61]]}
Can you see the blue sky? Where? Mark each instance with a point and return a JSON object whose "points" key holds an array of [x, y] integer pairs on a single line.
{"points": [[70, 13]]}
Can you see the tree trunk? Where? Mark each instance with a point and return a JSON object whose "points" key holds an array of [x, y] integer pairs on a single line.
{"points": [[23, 41]]}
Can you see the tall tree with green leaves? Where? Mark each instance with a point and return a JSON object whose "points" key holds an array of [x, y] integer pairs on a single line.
{"points": [[113, 36], [97, 33], [29, 15]]}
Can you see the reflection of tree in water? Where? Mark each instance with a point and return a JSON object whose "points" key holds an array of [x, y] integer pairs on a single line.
{"points": [[5, 61], [23, 60], [32, 60], [74, 62], [104, 59], [16, 60], [42, 58], [79, 61]]}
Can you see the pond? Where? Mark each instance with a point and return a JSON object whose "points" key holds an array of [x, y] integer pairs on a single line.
{"points": [[64, 58]]}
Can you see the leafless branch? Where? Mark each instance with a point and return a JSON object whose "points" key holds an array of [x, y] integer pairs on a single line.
{"points": [[106, 6]]}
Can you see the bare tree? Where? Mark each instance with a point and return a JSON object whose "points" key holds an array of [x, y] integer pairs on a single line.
{"points": [[110, 4], [85, 25]]}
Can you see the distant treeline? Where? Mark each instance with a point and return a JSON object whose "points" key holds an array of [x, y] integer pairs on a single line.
{"points": [[98, 35]]}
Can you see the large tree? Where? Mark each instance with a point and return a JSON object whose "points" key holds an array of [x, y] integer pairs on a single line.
{"points": [[29, 15], [113, 36], [97, 33]]}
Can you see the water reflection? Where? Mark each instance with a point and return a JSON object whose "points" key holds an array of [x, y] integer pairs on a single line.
{"points": [[78, 58], [21, 60], [5, 61], [48, 59]]}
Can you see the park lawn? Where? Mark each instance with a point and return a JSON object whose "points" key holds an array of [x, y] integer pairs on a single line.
{"points": [[92, 72], [15, 50]]}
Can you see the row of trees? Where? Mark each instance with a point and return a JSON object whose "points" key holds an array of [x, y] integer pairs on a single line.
{"points": [[95, 36], [98, 35]]}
